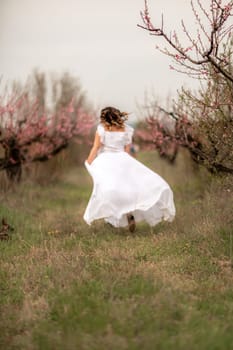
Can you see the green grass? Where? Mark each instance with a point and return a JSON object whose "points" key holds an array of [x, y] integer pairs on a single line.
{"points": [[65, 285]]}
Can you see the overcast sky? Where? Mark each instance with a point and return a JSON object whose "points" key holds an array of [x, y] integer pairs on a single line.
{"points": [[95, 40]]}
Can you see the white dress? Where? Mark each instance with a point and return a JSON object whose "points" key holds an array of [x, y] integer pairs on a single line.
{"points": [[124, 185]]}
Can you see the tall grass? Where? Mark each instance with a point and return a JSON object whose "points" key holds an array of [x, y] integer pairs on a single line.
{"points": [[65, 285]]}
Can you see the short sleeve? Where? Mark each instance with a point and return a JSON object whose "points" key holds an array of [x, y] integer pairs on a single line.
{"points": [[100, 131], [129, 134]]}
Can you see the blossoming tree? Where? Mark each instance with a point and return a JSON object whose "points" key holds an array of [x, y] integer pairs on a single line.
{"points": [[202, 120], [30, 133]]}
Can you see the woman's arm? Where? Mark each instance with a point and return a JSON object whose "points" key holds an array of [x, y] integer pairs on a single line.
{"points": [[94, 150], [127, 149]]}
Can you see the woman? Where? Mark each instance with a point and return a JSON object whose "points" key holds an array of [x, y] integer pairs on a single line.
{"points": [[125, 191]]}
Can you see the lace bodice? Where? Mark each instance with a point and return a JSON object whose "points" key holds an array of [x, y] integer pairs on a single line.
{"points": [[114, 141]]}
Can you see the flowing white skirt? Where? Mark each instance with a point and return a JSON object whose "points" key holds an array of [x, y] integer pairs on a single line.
{"points": [[124, 185]]}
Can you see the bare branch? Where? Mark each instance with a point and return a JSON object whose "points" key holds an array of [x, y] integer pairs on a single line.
{"points": [[217, 18]]}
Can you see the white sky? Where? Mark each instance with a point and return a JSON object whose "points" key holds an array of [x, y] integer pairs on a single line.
{"points": [[96, 40]]}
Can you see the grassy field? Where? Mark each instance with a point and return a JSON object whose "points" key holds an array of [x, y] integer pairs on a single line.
{"points": [[67, 286]]}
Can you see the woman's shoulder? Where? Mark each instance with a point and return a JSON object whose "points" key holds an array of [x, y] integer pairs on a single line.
{"points": [[129, 128], [100, 128]]}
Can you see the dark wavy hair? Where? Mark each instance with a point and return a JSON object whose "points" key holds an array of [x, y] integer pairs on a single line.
{"points": [[111, 116]]}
